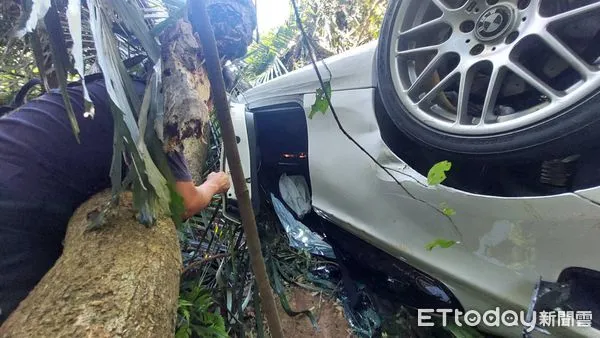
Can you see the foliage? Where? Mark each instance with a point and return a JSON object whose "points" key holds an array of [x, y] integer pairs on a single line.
{"points": [[435, 176], [215, 258], [120, 40], [104, 41], [264, 59], [322, 100], [437, 173], [59, 56], [17, 63], [332, 27], [214, 253], [442, 243], [343, 24], [15, 70], [197, 317], [447, 210]]}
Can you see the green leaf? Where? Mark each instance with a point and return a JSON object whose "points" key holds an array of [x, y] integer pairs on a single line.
{"points": [[442, 243], [447, 210], [437, 173], [183, 332], [157, 106], [176, 206], [157, 180], [74, 21], [322, 101], [116, 166], [118, 82], [149, 185], [132, 17], [61, 62], [195, 308], [141, 199]]}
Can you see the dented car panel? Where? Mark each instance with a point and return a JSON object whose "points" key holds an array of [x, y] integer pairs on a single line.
{"points": [[504, 245]]}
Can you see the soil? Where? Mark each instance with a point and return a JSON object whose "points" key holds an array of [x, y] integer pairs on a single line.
{"points": [[328, 312]]}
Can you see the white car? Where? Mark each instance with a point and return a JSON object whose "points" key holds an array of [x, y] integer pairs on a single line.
{"points": [[507, 91]]}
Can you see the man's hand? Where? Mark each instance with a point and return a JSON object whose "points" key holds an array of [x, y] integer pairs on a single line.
{"points": [[198, 198], [219, 182]]}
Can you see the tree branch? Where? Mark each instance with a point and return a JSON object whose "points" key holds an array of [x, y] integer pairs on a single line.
{"points": [[203, 261], [215, 75]]}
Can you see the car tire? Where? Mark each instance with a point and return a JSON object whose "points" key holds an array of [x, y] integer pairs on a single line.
{"points": [[564, 134]]}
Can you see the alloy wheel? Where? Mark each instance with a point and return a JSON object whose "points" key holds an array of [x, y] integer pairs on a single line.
{"points": [[487, 67]]}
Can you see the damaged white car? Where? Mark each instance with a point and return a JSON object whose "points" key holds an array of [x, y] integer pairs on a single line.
{"points": [[505, 91]]}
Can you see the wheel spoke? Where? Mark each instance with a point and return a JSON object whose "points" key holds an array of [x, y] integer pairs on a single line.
{"points": [[464, 91], [431, 95], [441, 5], [492, 93], [422, 28], [526, 75], [575, 12], [527, 72], [418, 50], [536, 4], [426, 73], [567, 54]]}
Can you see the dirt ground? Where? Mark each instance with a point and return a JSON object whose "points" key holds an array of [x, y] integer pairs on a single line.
{"points": [[329, 314]]}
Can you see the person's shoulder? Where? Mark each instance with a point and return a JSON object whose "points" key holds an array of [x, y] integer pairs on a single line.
{"points": [[96, 84]]}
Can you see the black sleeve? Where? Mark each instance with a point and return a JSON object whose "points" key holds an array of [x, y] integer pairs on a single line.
{"points": [[178, 166]]}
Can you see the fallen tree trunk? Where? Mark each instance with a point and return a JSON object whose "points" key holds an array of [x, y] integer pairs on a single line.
{"points": [[120, 280], [187, 110], [123, 279]]}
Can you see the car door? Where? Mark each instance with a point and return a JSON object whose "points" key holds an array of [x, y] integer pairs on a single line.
{"points": [[243, 125]]}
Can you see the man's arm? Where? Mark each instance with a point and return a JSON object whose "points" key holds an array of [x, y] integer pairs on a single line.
{"points": [[196, 198]]}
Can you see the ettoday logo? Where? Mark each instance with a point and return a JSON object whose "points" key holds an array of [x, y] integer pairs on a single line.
{"points": [[508, 318]]}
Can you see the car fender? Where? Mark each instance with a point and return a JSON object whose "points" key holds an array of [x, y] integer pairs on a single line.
{"points": [[504, 245]]}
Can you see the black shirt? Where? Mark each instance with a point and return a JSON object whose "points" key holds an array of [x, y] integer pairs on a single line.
{"points": [[41, 163]]}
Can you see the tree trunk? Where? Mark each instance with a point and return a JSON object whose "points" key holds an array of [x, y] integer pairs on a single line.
{"points": [[121, 280], [195, 151], [187, 110]]}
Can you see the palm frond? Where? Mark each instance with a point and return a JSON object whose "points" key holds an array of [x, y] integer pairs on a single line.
{"points": [[61, 63], [75, 30], [132, 17], [275, 69], [34, 11], [150, 189]]}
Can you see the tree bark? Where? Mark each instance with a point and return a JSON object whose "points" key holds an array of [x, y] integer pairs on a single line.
{"points": [[120, 280], [187, 109], [123, 279]]}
